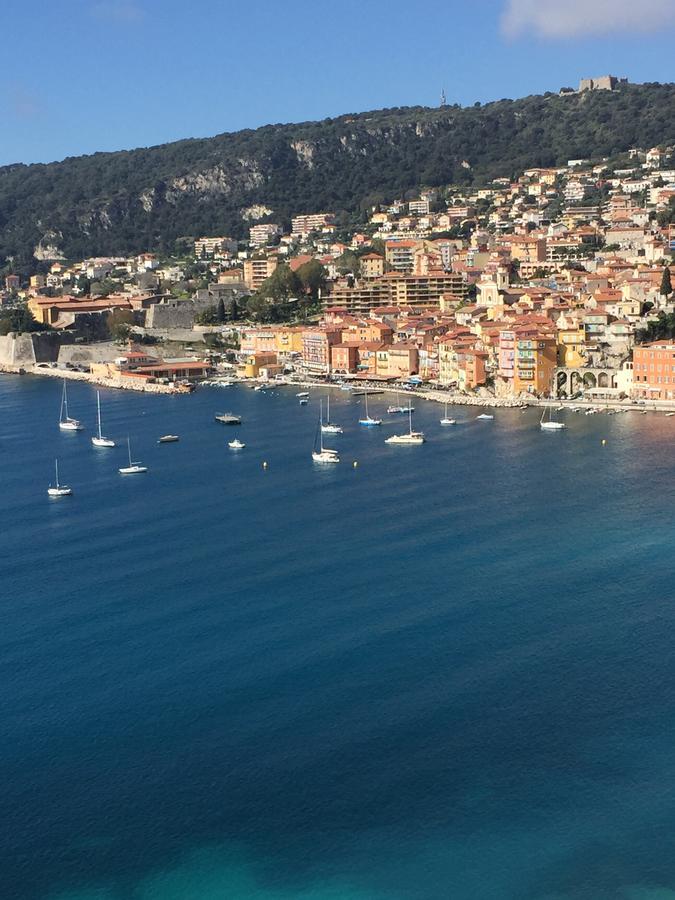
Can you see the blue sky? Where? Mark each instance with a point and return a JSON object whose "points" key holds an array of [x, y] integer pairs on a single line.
{"points": [[84, 75]]}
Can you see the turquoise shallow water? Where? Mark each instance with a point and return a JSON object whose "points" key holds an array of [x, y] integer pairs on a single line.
{"points": [[446, 673]]}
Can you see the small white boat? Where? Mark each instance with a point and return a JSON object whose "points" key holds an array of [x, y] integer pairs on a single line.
{"points": [[549, 424], [236, 444], [264, 387], [411, 437], [396, 409], [303, 401], [56, 489], [98, 440], [670, 415], [134, 468], [368, 420], [168, 439], [485, 416], [66, 422], [321, 454], [447, 420], [346, 387], [328, 427], [302, 394]]}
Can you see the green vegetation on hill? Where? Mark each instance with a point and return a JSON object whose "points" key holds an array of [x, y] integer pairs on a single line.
{"points": [[116, 203]]}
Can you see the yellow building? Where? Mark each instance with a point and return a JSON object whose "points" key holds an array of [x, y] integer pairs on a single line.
{"points": [[256, 362], [288, 340], [372, 265], [571, 346]]}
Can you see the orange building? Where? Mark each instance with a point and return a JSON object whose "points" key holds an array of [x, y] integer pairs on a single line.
{"points": [[344, 358], [527, 359], [654, 371]]}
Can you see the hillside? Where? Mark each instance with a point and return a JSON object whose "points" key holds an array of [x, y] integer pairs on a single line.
{"points": [[111, 203]]}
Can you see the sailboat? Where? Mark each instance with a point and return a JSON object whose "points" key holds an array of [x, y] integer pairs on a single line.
{"points": [[392, 410], [98, 440], [446, 420], [58, 490], [550, 424], [328, 427], [133, 468], [412, 437], [323, 454], [66, 423], [368, 420]]}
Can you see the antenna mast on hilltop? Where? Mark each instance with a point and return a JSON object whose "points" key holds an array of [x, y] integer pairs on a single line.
{"points": [[444, 100]]}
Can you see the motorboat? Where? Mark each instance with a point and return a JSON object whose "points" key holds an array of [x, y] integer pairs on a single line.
{"points": [[236, 444], [168, 439]]}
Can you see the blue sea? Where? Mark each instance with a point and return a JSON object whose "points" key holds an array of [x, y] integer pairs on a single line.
{"points": [[447, 672]]}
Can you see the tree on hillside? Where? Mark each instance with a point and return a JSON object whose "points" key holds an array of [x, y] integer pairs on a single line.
{"points": [[220, 311], [312, 276], [282, 284], [120, 322], [666, 288]]}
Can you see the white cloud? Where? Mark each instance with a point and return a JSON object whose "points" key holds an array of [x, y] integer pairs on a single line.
{"points": [[555, 19], [121, 11]]}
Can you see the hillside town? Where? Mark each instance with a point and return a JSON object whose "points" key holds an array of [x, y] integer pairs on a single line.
{"points": [[554, 283]]}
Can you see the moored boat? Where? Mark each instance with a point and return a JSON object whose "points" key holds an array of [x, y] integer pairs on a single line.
{"points": [[56, 489]]}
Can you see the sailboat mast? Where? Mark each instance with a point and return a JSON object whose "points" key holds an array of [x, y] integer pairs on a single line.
{"points": [[56, 469], [65, 398], [98, 413], [129, 449]]}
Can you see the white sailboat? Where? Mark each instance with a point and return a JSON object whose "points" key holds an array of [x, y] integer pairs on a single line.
{"points": [[56, 489], [98, 440], [396, 408], [236, 444], [66, 422], [550, 424], [322, 454], [367, 419], [411, 437], [328, 427], [134, 468], [447, 420]]}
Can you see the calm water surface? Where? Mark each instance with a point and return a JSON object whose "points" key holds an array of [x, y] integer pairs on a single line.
{"points": [[447, 673]]}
